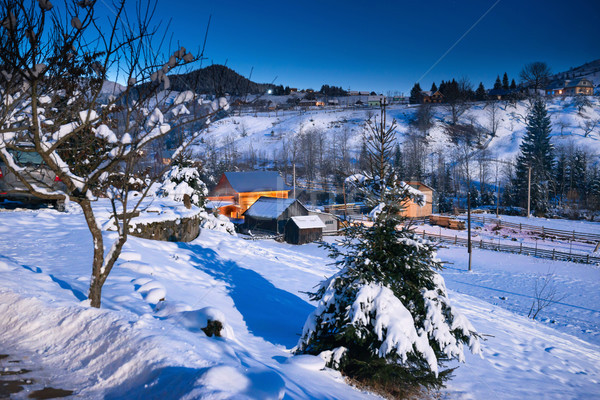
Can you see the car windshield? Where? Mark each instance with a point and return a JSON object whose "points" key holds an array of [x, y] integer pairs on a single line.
{"points": [[23, 158]]}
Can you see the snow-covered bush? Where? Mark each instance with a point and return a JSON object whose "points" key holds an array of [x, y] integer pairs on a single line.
{"points": [[385, 318], [181, 180], [218, 223]]}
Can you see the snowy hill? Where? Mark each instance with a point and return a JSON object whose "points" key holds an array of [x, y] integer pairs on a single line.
{"points": [[269, 132], [590, 70], [146, 341]]}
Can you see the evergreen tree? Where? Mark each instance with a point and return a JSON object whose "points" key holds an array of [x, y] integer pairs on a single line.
{"points": [[536, 152], [498, 83], [443, 87], [480, 93], [433, 88], [513, 85], [415, 94], [385, 317], [475, 197], [505, 85]]}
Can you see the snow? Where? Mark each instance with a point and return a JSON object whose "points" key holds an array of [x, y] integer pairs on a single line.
{"points": [[147, 339], [308, 221], [269, 207], [269, 131]]}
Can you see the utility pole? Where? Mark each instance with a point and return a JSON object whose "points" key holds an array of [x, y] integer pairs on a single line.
{"points": [[529, 191], [294, 179], [497, 191]]}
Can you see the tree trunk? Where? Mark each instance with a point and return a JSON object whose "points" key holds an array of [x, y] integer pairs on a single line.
{"points": [[96, 282]]}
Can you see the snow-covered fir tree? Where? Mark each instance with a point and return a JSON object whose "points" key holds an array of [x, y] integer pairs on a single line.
{"points": [[184, 178], [385, 318], [538, 153]]}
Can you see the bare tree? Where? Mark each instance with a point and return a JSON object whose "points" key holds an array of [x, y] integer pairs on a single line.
{"points": [[53, 104], [493, 114], [535, 75], [545, 294], [588, 125]]}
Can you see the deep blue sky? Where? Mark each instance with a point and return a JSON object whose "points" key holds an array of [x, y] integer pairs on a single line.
{"points": [[386, 45]]}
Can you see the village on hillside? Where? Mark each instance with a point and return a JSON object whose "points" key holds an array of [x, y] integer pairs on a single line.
{"points": [[173, 228]]}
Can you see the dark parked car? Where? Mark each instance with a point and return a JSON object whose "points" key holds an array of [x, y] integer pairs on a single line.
{"points": [[36, 172]]}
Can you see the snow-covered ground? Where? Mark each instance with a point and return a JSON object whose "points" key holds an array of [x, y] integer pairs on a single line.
{"points": [[268, 132], [140, 346]]}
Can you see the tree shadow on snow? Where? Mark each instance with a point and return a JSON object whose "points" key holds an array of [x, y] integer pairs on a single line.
{"points": [[161, 383], [271, 313]]}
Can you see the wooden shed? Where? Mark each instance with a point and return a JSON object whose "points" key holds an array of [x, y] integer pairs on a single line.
{"points": [[304, 229], [413, 210], [270, 214]]}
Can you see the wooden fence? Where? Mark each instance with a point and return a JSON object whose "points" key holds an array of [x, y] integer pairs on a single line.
{"points": [[520, 249], [575, 236]]}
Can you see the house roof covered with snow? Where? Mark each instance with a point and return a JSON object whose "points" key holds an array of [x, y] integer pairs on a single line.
{"points": [[308, 222], [268, 207], [256, 181]]}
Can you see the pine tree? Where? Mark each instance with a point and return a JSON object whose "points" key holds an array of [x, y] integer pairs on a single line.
{"points": [[513, 85], [433, 88], [505, 85], [536, 152], [385, 318], [498, 83], [415, 94], [480, 93]]}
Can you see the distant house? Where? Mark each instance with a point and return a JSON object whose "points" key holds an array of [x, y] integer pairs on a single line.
{"points": [[498, 94], [432, 97], [304, 229], [570, 87], [413, 210], [237, 191], [311, 103], [270, 214], [579, 86]]}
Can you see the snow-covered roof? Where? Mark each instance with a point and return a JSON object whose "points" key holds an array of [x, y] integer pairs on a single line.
{"points": [[256, 181], [212, 204], [308, 222], [268, 207]]}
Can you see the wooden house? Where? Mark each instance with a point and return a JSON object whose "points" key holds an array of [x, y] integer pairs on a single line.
{"points": [[237, 191], [432, 97], [413, 210], [570, 87], [305, 229], [580, 86], [270, 214]]}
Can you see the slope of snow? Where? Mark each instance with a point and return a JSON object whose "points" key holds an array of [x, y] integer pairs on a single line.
{"points": [[270, 132], [147, 342]]}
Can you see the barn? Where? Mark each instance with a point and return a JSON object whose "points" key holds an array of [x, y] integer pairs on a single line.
{"points": [[270, 214], [304, 229]]}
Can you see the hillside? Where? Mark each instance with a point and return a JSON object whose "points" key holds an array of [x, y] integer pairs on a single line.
{"points": [[216, 79], [269, 132], [590, 70]]}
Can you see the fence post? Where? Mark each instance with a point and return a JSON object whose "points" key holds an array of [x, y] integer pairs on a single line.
{"points": [[535, 248], [521, 248], [519, 227], [553, 254], [588, 259], [455, 239], [573, 235], [484, 219], [423, 234], [481, 243], [543, 232]]}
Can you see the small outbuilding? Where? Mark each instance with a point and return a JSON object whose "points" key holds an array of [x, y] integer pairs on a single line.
{"points": [[270, 214], [304, 229]]}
